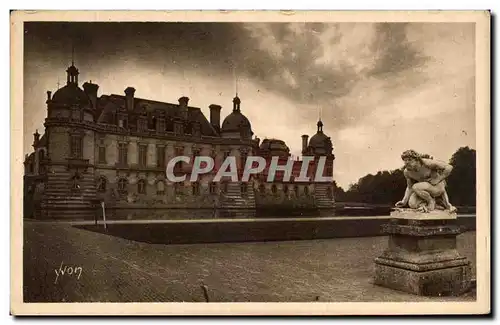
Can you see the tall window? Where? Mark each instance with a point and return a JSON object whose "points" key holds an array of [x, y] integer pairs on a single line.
{"points": [[141, 186], [285, 189], [274, 189], [296, 190], [160, 157], [195, 188], [306, 190], [102, 155], [122, 186], [160, 188], [123, 153], [224, 187], [160, 125], [76, 146], [101, 184], [226, 154], [262, 188], [122, 121], [143, 152], [178, 129], [142, 124], [152, 122], [213, 188]]}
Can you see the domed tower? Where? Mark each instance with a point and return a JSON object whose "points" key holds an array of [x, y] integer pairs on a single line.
{"points": [[274, 148], [320, 145], [70, 186], [236, 125]]}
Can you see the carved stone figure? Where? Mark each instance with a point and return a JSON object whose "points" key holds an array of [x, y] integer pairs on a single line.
{"points": [[426, 183]]}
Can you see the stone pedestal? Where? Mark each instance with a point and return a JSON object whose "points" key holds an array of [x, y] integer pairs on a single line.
{"points": [[422, 256]]}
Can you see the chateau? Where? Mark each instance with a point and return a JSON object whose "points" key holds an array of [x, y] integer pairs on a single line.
{"points": [[114, 149]]}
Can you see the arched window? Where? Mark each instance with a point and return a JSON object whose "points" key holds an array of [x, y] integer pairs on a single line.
{"points": [[274, 189], [285, 189], [262, 188], [141, 186], [306, 190], [296, 190], [160, 188], [122, 186], [101, 184]]}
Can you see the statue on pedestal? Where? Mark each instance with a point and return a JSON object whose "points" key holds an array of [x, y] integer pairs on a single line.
{"points": [[426, 183]]}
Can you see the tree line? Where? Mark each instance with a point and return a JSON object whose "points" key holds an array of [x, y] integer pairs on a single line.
{"points": [[387, 187]]}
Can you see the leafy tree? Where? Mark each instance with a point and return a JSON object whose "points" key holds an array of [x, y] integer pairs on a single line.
{"points": [[461, 184]]}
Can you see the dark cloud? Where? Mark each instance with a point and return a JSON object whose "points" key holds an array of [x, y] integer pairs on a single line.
{"points": [[215, 48], [299, 52], [393, 50]]}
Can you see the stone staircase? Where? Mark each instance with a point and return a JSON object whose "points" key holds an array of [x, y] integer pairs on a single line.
{"points": [[61, 201], [321, 196], [234, 204]]}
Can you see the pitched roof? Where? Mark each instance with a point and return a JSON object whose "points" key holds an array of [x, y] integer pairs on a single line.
{"points": [[110, 103]]}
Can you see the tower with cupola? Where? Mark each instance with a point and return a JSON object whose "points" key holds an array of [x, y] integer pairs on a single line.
{"points": [[320, 145], [69, 180]]}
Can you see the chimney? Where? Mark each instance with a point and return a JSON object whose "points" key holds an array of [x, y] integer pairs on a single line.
{"points": [[215, 116], [129, 93], [91, 90], [49, 95], [183, 104], [305, 137]]}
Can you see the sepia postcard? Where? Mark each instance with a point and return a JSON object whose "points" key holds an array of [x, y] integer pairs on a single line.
{"points": [[250, 162]]}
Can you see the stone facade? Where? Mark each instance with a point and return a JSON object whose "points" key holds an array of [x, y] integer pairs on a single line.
{"points": [[115, 148]]}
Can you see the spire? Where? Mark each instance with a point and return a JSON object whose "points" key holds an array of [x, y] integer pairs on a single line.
{"points": [[72, 53], [236, 99]]}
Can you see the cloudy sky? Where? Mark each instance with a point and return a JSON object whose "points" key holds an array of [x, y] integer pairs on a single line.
{"points": [[381, 88]]}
